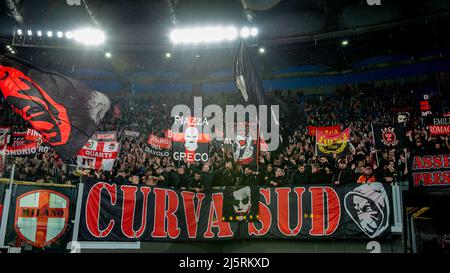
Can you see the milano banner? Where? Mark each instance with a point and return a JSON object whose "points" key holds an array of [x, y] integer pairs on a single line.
{"points": [[40, 216], [113, 212]]}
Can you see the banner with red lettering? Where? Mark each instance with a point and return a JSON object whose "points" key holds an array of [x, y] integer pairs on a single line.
{"points": [[105, 136], [329, 130], [113, 212], [431, 171], [438, 125], [26, 143], [159, 142], [328, 144], [98, 155]]}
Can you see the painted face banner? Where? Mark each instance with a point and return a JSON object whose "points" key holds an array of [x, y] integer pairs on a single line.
{"points": [[191, 145], [39, 216], [430, 171], [240, 204], [98, 155], [332, 144], [113, 212], [389, 136], [63, 110]]}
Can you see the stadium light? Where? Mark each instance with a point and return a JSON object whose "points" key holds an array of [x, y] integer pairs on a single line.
{"points": [[168, 55], [69, 35], [89, 36], [108, 55], [254, 31], [19, 31], [344, 42], [262, 50], [245, 32], [59, 34], [30, 33], [39, 33], [49, 33], [209, 34]]}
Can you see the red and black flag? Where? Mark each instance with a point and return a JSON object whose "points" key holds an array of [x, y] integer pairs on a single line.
{"points": [[244, 145], [64, 111], [389, 136], [191, 145]]}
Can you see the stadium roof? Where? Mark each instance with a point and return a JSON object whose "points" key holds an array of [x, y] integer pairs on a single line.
{"points": [[293, 32]]}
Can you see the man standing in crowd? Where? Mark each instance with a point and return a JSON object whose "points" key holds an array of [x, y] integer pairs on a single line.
{"points": [[197, 183], [367, 177], [343, 174], [279, 180], [300, 177], [248, 178]]}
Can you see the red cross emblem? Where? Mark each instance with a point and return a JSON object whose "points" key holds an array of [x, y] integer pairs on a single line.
{"points": [[41, 216]]}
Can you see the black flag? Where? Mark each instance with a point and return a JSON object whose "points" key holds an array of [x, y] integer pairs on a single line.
{"points": [[389, 136], [246, 78], [63, 110]]}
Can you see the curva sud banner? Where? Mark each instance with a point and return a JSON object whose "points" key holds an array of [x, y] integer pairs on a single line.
{"points": [[113, 212]]}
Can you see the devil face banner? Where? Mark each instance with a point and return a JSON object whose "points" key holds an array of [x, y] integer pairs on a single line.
{"points": [[41, 98], [432, 171], [113, 212], [40, 216]]}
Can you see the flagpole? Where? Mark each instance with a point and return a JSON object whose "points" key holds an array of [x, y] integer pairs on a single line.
{"points": [[316, 142], [374, 142]]}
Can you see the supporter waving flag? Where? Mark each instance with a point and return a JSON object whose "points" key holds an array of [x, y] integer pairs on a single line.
{"points": [[63, 110]]}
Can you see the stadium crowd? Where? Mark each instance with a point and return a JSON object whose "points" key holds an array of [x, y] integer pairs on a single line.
{"points": [[294, 163]]}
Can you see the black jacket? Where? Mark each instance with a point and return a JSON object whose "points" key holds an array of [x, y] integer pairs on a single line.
{"points": [[248, 180], [224, 177], [299, 178], [344, 176], [319, 178]]}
